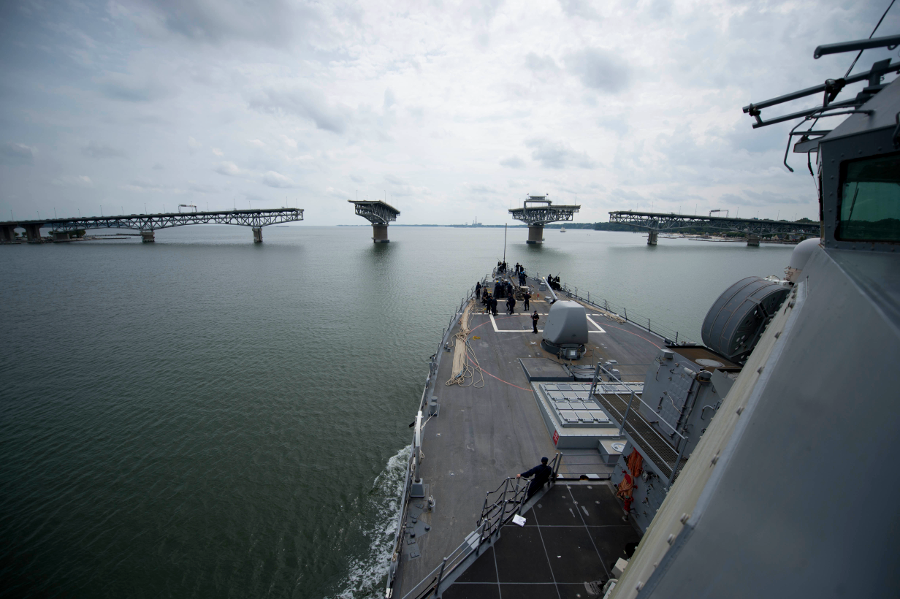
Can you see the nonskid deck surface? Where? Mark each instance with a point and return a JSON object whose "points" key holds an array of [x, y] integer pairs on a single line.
{"points": [[572, 535], [485, 433]]}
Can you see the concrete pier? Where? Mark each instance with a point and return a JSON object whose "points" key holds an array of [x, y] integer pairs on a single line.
{"points": [[752, 240], [33, 233], [147, 236], [652, 237], [535, 234], [380, 233], [7, 234], [257, 234]]}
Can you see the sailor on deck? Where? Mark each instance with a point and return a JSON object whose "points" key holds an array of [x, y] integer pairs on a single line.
{"points": [[542, 473]]}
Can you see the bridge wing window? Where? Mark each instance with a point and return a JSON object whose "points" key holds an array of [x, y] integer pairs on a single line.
{"points": [[870, 200]]}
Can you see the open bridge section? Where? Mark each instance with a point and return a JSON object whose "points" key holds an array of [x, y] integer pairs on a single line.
{"points": [[63, 228], [537, 211], [754, 228], [379, 214]]}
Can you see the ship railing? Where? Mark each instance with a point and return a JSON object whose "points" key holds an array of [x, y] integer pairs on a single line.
{"points": [[507, 500], [652, 440], [500, 506], [429, 585], [412, 466], [651, 326]]}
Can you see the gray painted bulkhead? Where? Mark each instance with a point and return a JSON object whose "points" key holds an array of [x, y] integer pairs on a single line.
{"points": [[786, 512], [799, 501], [674, 393]]}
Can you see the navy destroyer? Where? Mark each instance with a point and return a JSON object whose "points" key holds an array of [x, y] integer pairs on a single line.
{"points": [[736, 467]]}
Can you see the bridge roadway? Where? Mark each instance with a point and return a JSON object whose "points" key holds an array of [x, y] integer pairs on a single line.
{"points": [[64, 228], [753, 227]]}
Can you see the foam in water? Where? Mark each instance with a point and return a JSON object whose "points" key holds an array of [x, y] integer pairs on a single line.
{"points": [[366, 576]]}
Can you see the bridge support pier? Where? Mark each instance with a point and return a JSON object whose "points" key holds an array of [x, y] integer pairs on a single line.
{"points": [[652, 237], [535, 234], [33, 233], [61, 236], [7, 234], [379, 233], [752, 240], [257, 234], [147, 236]]}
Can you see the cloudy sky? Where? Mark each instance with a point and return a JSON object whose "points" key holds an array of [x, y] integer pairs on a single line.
{"points": [[450, 110]]}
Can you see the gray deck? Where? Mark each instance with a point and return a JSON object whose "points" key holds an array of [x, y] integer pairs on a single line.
{"points": [[483, 435], [572, 535]]}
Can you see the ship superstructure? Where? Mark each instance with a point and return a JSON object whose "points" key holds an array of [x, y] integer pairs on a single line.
{"points": [[735, 467]]}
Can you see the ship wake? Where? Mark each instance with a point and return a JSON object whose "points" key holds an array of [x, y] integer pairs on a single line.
{"points": [[366, 575]]}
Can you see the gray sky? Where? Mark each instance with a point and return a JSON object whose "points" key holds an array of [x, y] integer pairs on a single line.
{"points": [[453, 110]]}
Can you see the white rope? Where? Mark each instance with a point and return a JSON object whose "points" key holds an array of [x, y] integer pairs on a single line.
{"points": [[462, 373]]}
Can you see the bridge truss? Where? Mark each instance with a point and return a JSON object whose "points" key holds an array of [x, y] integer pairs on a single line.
{"points": [[377, 213], [658, 221], [150, 222], [538, 210]]}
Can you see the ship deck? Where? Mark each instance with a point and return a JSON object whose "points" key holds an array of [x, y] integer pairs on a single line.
{"points": [[572, 535], [486, 433]]}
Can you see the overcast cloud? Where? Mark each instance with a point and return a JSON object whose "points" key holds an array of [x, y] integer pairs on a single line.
{"points": [[451, 110]]}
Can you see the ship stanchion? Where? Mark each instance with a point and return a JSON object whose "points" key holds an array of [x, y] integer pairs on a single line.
{"points": [[437, 587], [627, 411]]}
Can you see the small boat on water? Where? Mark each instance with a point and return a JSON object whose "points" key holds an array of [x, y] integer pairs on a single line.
{"points": [[562, 230]]}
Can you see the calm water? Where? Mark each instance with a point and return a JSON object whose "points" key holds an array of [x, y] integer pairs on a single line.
{"points": [[206, 417]]}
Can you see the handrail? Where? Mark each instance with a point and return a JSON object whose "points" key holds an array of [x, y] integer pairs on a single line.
{"points": [[642, 402], [662, 331], [677, 448], [493, 518]]}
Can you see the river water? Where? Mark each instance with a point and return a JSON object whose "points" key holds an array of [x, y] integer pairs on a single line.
{"points": [[208, 417]]}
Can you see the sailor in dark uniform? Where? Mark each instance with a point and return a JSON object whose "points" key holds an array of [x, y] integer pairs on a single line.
{"points": [[478, 289], [542, 473]]}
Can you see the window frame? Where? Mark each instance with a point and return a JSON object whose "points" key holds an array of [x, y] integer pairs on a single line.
{"points": [[844, 166]]}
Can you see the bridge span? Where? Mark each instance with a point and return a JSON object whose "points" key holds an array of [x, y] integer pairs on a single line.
{"points": [[66, 228], [380, 214], [537, 211], [754, 228]]}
